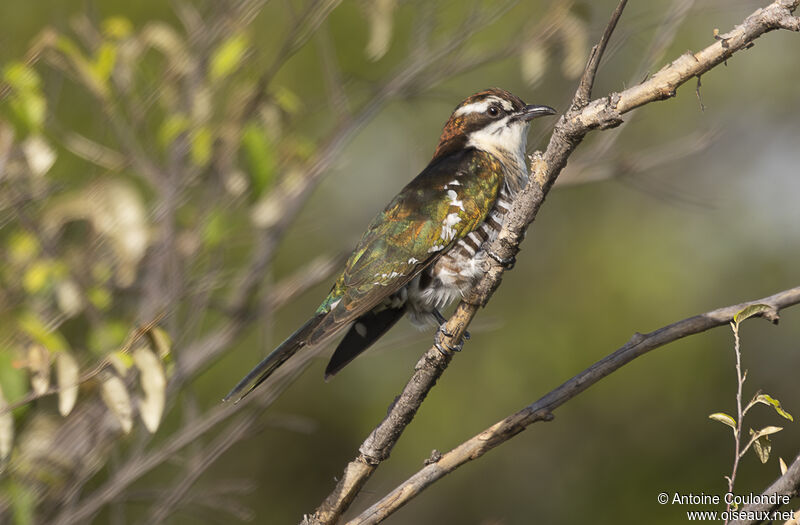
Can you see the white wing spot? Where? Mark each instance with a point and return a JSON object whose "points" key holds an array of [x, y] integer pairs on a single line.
{"points": [[413, 260], [435, 248], [453, 196], [335, 304]]}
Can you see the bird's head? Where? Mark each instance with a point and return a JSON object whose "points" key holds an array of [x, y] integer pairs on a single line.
{"points": [[492, 120]]}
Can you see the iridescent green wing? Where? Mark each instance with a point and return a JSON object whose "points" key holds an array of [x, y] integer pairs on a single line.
{"points": [[445, 202]]}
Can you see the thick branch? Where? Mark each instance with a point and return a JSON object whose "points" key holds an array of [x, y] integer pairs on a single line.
{"points": [[568, 133], [542, 409]]}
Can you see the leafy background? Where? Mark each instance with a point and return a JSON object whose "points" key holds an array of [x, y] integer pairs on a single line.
{"points": [[162, 206]]}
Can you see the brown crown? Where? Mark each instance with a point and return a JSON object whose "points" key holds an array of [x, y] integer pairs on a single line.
{"points": [[455, 132]]}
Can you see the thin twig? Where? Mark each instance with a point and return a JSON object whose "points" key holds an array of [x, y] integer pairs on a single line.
{"points": [[737, 435], [584, 93]]}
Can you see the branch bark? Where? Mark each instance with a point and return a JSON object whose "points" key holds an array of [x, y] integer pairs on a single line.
{"points": [[573, 126], [541, 410], [787, 485]]}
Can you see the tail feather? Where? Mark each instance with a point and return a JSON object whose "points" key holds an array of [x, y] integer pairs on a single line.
{"points": [[364, 332], [276, 358]]}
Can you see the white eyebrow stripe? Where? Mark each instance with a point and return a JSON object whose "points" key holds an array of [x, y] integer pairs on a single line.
{"points": [[475, 107], [483, 105]]}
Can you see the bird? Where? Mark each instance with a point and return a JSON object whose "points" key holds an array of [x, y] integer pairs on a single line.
{"points": [[429, 244]]}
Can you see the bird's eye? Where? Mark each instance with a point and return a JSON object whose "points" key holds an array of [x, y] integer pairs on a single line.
{"points": [[493, 111]]}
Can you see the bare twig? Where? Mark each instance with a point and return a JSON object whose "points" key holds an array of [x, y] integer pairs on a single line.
{"points": [[542, 409], [569, 132], [737, 435], [587, 80]]}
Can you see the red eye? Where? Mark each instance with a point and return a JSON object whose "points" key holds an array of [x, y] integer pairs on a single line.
{"points": [[493, 111]]}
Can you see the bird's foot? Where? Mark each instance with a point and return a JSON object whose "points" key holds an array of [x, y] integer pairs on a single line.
{"points": [[446, 349], [506, 262], [443, 325]]}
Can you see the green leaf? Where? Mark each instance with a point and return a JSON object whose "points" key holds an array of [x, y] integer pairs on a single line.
{"points": [[172, 126], [201, 142], [104, 61], [22, 247], [725, 419], [21, 77], [107, 335], [117, 27], [36, 277], [84, 68], [750, 311], [13, 378], [260, 156], [22, 501], [287, 100], [766, 399], [99, 297], [38, 331], [27, 103], [214, 229], [227, 57]]}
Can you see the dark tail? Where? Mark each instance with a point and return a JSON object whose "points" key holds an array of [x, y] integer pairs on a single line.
{"points": [[365, 331], [269, 364]]}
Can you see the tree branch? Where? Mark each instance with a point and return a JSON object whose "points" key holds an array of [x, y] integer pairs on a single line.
{"points": [[787, 485], [542, 409], [569, 132]]}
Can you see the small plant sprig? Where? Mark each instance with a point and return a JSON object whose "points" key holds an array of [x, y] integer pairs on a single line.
{"points": [[759, 439]]}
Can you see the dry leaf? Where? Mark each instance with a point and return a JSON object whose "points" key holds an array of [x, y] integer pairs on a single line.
{"points": [[6, 429], [380, 14], [39, 365], [118, 401], [533, 62], [67, 378], [154, 385]]}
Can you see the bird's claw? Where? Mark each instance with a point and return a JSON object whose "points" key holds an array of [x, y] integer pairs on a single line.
{"points": [[506, 262], [446, 349]]}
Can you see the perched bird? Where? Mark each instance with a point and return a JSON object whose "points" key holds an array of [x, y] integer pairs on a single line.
{"points": [[427, 247]]}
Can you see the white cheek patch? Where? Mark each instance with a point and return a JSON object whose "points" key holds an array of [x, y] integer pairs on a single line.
{"points": [[502, 139]]}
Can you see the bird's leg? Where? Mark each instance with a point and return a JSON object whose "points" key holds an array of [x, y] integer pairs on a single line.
{"points": [[505, 262], [445, 348]]}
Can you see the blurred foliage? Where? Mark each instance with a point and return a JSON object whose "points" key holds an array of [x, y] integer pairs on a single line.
{"points": [[168, 170]]}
